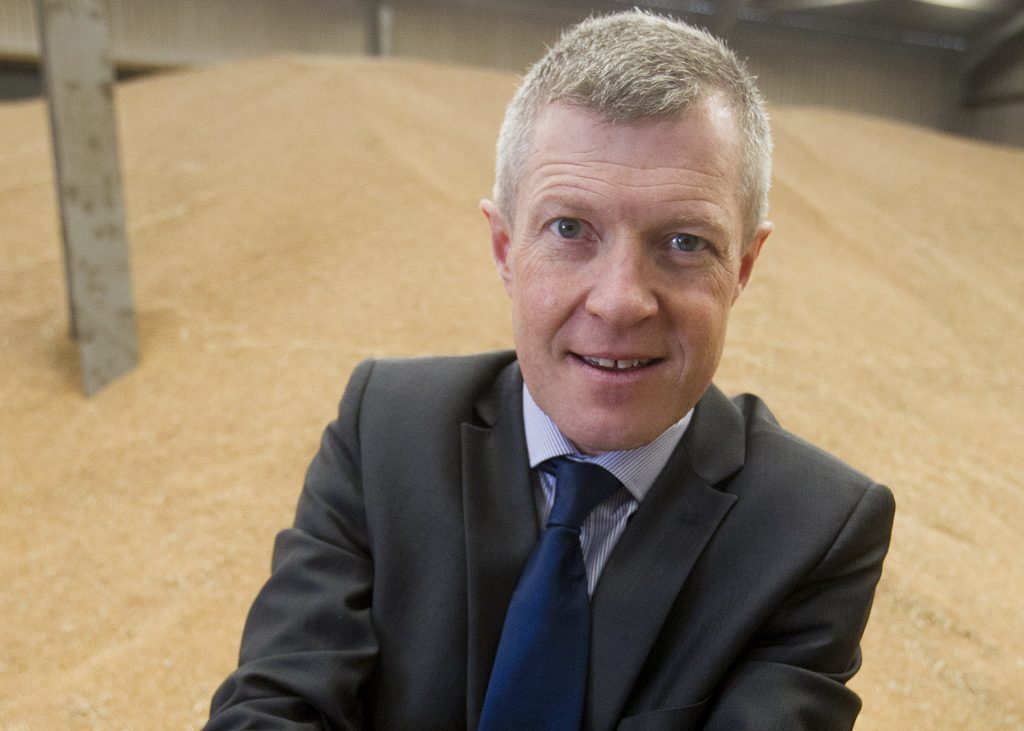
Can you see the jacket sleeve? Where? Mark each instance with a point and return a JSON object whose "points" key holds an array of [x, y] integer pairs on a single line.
{"points": [[793, 674], [309, 649]]}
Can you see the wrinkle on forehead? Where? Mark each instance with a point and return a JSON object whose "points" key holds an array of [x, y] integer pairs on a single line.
{"points": [[555, 173], [577, 188], [690, 162], [694, 196]]}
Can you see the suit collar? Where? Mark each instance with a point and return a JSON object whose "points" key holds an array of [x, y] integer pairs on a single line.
{"points": [[716, 440], [500, 523], [636, 468], [503, 400], [657, 552]]}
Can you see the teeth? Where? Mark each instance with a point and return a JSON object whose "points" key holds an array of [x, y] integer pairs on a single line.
{"points": [[617, 364]]}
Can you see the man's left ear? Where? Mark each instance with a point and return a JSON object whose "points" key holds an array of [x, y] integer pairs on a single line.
{"points": [[753, 250]]}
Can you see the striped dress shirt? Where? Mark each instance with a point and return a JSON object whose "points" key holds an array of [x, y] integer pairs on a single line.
{"points": [[636, 469]]}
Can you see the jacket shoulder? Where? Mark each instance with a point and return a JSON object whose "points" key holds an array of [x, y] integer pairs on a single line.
{"points": [[425, 399], [793, 473], [454, 370], [764, 434], [413, 384]]}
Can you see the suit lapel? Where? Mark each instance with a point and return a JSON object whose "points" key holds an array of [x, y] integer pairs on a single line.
{"points": [[500, 523], [656, 553]]}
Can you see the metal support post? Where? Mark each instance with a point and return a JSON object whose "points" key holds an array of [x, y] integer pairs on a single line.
{"points": [[75, 44]]}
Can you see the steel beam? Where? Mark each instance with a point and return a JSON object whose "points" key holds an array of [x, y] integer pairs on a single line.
{"points": [[75, 44], [790, 6]]}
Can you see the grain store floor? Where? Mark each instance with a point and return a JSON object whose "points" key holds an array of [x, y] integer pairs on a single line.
{"points": [[291, 216]]}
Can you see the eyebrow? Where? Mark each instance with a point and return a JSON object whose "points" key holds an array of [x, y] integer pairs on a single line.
{"points": [[691, 214], [701, 220]]}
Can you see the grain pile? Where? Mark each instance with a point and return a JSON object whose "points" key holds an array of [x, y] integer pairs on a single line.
{"points": [[291, 216]]}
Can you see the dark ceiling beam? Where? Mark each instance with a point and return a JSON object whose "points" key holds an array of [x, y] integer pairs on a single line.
{"points": [[791, 6], [694, 11]]}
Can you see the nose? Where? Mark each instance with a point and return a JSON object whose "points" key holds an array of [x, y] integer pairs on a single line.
{"points": [[621, 291]]}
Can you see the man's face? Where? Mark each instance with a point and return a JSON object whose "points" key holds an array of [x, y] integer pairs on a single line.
{"points": [[622, 259]]}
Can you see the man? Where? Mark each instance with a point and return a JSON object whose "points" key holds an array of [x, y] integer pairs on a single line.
{"points": [[731, 567]]}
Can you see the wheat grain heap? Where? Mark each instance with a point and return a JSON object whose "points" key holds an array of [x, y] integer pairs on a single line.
{"points": [[289, 217]]}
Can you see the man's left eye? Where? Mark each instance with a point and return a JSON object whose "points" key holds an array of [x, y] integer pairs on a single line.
{"points": [[688, 242]]}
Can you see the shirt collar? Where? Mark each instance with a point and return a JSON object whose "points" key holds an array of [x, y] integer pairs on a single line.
{"points": [[636, 468]]}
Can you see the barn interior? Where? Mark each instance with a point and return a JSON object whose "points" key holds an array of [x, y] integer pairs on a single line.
{"points": [[300, 192]]}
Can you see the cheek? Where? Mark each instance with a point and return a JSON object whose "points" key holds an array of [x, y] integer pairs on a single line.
{"points": [[532, 309], [715, 295], [543, 291], [699, 318]]}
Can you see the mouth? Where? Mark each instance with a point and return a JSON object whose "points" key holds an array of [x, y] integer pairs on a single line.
{"points": [[615, 364]]}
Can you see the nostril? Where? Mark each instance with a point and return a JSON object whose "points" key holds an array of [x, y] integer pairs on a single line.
{"points": [[622, 303]]}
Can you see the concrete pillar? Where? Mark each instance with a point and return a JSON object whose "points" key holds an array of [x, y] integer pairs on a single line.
{"points": [[75, 44]]}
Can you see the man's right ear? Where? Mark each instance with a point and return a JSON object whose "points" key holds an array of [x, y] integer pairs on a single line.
{"points": [[501, 240]]}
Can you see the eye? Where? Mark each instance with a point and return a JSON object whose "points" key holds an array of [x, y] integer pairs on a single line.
{"points": [[566, 228], [689, 243]]}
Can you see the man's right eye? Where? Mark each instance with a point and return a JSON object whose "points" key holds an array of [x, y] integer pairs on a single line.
{"points": [[566, 228]]}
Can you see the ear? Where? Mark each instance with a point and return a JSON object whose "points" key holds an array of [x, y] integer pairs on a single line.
{"points": [[749, 257], [501, 240]]}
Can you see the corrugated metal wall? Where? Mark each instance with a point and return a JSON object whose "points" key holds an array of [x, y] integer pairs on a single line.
{"points": [[18, 37], [187, 32], [885, 79], [794, 66], [506, 38], [912, 84]]}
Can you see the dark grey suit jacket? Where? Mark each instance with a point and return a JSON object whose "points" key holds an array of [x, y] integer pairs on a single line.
{"points": [[735, 599]]}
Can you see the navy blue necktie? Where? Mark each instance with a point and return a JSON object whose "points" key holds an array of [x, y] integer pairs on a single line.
{"points": [[539, 677]]}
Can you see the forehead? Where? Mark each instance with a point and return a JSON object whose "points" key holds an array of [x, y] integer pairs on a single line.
{"points": [[693, 157]]}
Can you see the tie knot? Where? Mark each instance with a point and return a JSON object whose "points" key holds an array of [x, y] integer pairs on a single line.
{"points": [[579, 488]]}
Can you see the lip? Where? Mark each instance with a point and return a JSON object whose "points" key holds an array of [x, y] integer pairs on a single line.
{"points": [[598, 365]]}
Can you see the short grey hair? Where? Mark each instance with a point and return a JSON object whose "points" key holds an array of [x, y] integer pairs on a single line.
{"points": [[632, 66]]}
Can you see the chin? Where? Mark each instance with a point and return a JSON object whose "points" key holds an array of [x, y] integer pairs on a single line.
{"points": [[612, 440]]}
